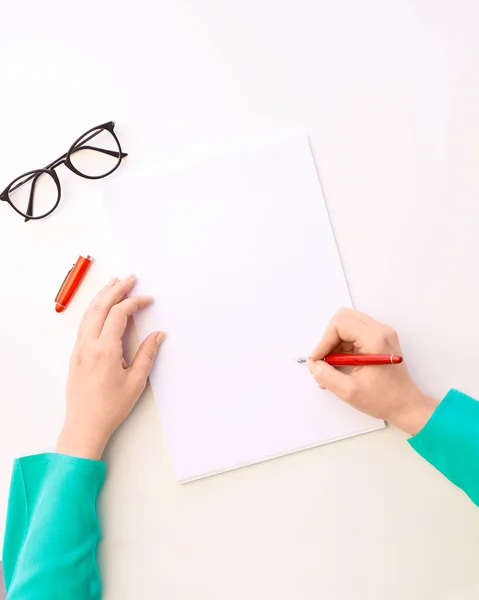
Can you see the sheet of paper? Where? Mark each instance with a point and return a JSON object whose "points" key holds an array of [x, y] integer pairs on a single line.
{"points": [[240, 256]]}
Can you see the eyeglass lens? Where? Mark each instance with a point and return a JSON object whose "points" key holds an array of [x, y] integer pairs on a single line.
{"points": [[35, 195], [96, 154]]}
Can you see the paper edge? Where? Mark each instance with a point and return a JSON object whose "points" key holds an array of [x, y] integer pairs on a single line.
{"points": [[380, 425]]}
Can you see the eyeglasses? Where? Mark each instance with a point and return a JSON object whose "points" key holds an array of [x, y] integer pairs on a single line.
{"points": [[36, 194]]}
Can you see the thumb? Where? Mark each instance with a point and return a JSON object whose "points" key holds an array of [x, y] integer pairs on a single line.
{"points": [[145, 356], [330, 378]]}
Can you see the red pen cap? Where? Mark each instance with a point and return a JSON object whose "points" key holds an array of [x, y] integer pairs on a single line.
{"points": [[72, 282]]}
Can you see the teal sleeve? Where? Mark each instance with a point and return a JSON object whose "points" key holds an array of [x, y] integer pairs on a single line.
{"points": [[450, 441], [52, 529]]}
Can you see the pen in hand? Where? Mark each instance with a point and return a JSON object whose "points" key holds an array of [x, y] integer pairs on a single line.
{"points": [[357, 360]]}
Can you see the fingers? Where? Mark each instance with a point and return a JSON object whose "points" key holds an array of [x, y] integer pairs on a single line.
{"points": [[357, 315], [330, 378], [145, 358], [349, 330], [117, 319], [96, 314], [344, 347], [343, 327]]}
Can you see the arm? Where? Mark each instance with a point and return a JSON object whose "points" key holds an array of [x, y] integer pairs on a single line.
{"points": [[52, 529], [450, 441], [446, 435]]}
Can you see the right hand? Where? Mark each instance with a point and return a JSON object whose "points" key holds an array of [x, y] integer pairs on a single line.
{"points": [[385, 392]]}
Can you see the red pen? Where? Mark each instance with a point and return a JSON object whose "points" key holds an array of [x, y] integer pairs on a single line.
{"points": [[72, 282], [358, 360]]}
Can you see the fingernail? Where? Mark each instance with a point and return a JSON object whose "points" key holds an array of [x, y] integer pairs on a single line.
{"points": [[159, 338], [113, 280], [130, 277]]}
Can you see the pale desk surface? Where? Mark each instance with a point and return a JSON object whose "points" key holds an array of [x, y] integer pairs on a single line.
{"points": [[389, 93]]}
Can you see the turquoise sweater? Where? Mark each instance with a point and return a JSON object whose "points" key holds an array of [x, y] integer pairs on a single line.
{"points": [[52, 528]]}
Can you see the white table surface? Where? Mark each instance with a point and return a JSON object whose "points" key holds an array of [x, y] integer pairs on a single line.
{"points": [[389, 93]]}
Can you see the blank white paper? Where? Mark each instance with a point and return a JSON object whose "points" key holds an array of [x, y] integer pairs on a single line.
{"points": [[239, 253]]}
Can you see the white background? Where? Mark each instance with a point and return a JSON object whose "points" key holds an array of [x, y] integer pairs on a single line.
{"points": [[389, 93]]}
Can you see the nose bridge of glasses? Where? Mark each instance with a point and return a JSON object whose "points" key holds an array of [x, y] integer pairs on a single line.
{"points": [[56, 163]]}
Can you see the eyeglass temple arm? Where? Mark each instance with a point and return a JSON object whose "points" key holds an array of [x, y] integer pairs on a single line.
{"points": [[109, 152], [52, 165], [29, 211], [35, 177], [102, 150]]}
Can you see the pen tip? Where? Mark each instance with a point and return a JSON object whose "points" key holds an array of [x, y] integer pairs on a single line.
{"points": [[59, 308], [396, 360]]}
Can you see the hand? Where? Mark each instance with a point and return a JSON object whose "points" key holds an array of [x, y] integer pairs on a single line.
{"points": [[385, 392], [102, 389]]}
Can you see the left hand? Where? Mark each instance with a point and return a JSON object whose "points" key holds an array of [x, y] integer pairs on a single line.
{"points": [[102, 389]]}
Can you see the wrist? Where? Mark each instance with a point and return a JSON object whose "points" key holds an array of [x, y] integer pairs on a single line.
{"points": [[74, 442], [414, 412]]}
